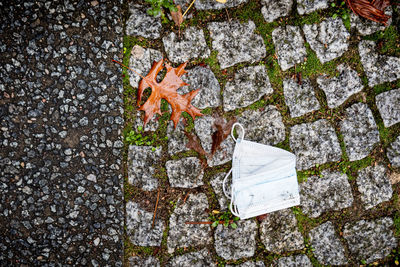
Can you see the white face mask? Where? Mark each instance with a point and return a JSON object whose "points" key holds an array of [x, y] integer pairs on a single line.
{"points": [[264, 178]]}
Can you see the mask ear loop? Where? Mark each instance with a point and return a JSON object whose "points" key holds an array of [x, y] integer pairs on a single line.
{"points": [[224, 182], [241, 127]]}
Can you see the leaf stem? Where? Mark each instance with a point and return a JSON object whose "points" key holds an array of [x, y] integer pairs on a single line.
{"points": [[191, 4], [129, 68]]}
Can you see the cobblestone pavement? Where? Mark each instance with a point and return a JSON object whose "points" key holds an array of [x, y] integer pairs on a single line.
{"points": [[298, 74]]}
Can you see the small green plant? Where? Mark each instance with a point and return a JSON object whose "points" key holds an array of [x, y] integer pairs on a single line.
{"points": [[226, 218], [158, 5], [137, 138], [342, 11]]}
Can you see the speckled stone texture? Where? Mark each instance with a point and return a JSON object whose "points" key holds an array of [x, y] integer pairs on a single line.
{"points": [[279, 232], [196, 259], [191, 44], [272, 9], [249, 264], [329, 249], [330, 192], [329, 39], [233, 244], [211, 4], [152, 125], [374, 186], [339, 89], [265, 127], [293, 261], [300, 98], [204, 128], [367, 27], [61, 171], [370, 240], [248, 86], [216, 183], [138, 226], [289, 46], [359, 130], [378, 68], [204, 79], [144, 262], [185, 172], [388, 104], [177, 139], [185, 235], [236, 42], [141, 166], [314, 143], [141, 61], [393, 153], [308, 6], [142, 24]]}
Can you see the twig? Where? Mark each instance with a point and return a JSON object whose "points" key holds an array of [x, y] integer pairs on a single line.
{"points": [[128, 68], [229, 19], [184, 200], [155, 208], [191, 4]]}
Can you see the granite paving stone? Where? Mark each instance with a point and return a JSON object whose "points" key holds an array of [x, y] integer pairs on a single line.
{"points": [[236, 42], [191, 44], [293, 261], [152, 125], [328, 249], [185, 172], [330, 192], [272, 10], [378, 68], [393, 153], [370, 240], [142, 162], [139, 226], [367, 27], [248, 86], [233, 244], [279, 232], [329, 39], [339, 89], [144, 262], [141, 61], [212, 5], [314, 143], [142, 24], [249, 264], [204, 79], [308, 6], [359, 130], [181, 234], [265, 127], [374, 185], [388, 104], [177, 139], [196, 259], [300, 98], [216, 183], [289, 46]]}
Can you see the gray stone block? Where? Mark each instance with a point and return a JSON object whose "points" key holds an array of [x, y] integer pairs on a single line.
{"points": [[141, 61], [212, 5], [388, 104], [308, 6], [185, 172], [293, 261], [216, 183], [366, 27], [142, 24], [272, 9], [144, 262], [249, 264], [177, 139], [196, 259], [393, 153]]}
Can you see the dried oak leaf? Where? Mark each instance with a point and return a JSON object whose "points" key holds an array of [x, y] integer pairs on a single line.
{"points": [[166, 89], [177, 16], [372, 10], [223, 131]]}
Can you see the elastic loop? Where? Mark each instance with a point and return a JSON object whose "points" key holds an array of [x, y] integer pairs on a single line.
{"points": [[223, 183], [233, 127], [232, 208]]}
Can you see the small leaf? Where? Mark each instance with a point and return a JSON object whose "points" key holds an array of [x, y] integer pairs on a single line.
{"points": [[214, 224], [226, 224], [234, 225], [334, 16]]}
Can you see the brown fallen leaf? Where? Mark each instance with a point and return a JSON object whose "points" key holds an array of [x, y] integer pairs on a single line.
{"points": [[177, 16], [223, 131], [166, 89], [194, 143], [370, 10]]}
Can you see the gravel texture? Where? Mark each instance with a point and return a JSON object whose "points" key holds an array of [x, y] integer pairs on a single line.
{"points": [[204, 79], [196, 259], [233, 244], [339, 89], [177, 139], [314, 143], [191, 44], [289, 46], [185, 172], [374, 186], [367, 27], [378, 68], [393, 153], [139, 226], [330, 192], [248, 86], [328, 249], [272, 10], [144, 262], [61, 145], [265, 127], [236, 42], [181, 234], [142, 162], [141, 61], [359, 130], [279, 232], [293, 261], [329, 39], [370, 240], [216, 183], [142, 24], [300, 98], [308, 6], [388, 104]]}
